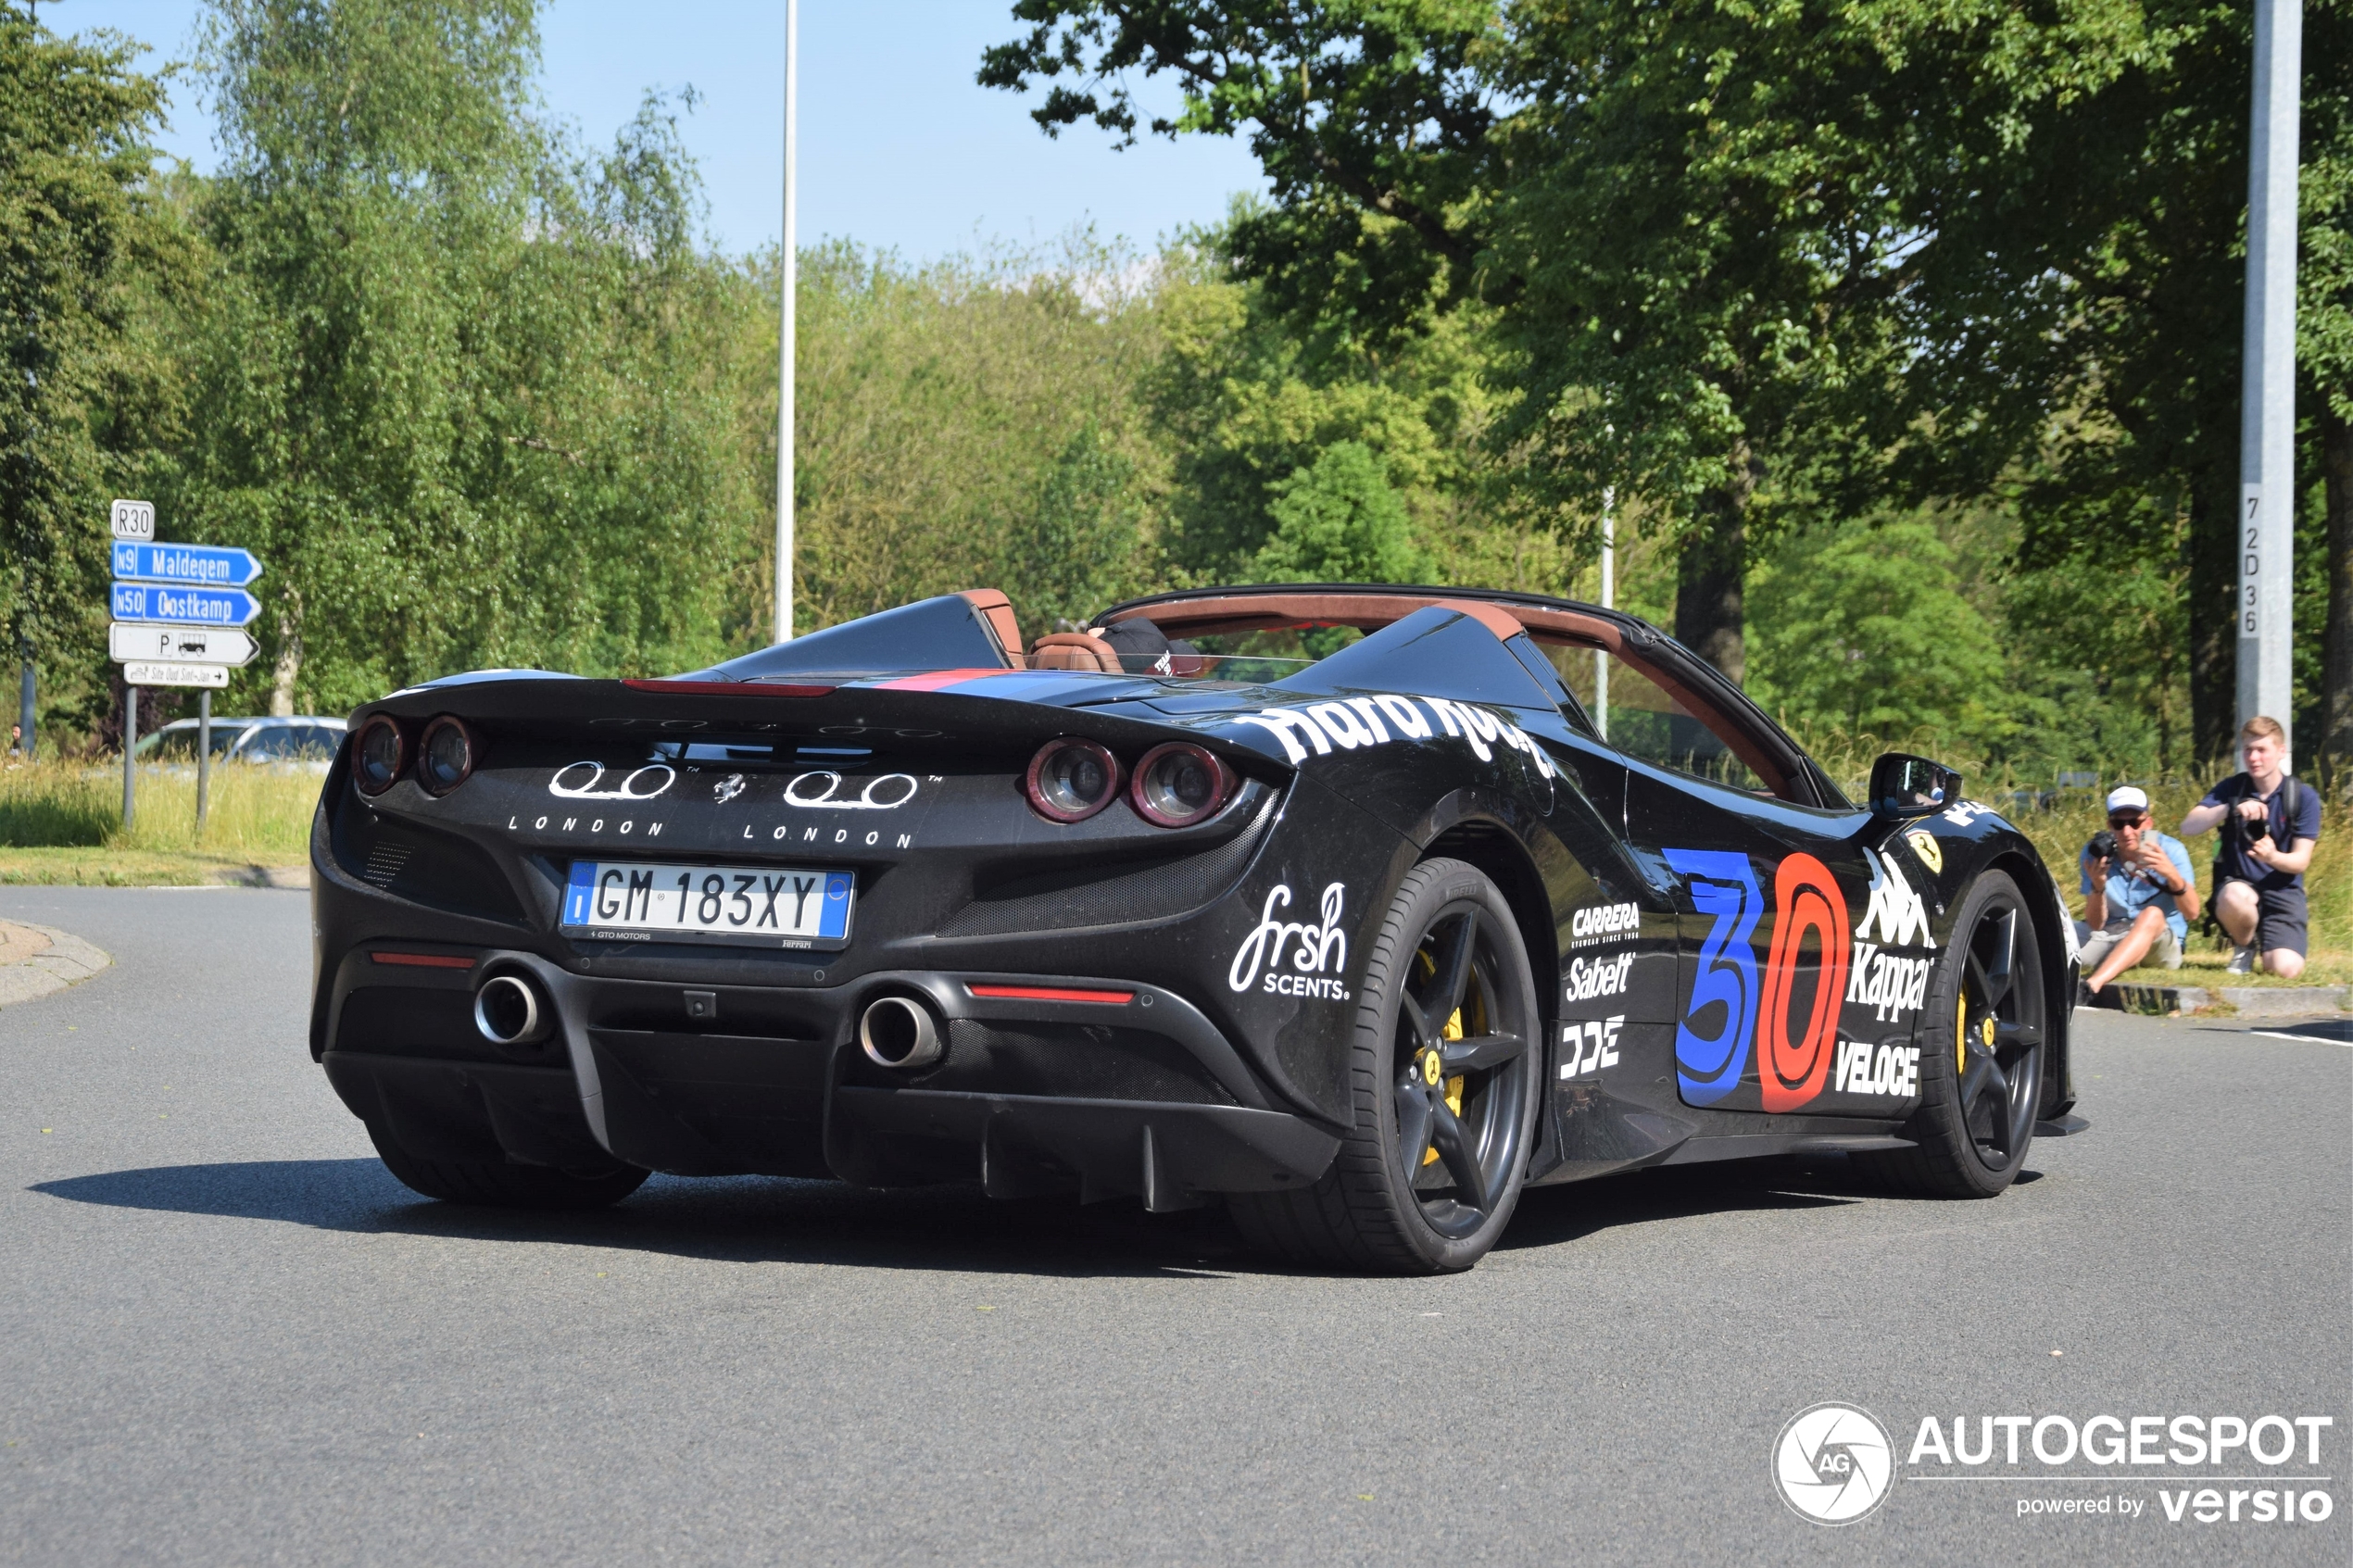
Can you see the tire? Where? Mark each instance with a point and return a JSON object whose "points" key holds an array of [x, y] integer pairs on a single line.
{"points": [[1981, 1055], [503, 1186], [1447, 1056]]}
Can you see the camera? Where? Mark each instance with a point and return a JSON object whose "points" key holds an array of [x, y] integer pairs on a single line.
{"points": [[2102, 846]]}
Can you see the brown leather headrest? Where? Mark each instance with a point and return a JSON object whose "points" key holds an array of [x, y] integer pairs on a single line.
{"points": [[1072, 650]]}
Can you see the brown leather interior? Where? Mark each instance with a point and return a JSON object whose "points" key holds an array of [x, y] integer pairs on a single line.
{"points": [[1072, 651]]}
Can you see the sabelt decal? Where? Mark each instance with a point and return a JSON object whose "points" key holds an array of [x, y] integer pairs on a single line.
{"points": [[1932, 853], [643, 784], [1318, 953], [1587, 979], [1589, 1047], [1321, 727]]}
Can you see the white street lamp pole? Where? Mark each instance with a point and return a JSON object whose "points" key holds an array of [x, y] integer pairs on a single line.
{"points": [[784, 336], [2266, 521]]}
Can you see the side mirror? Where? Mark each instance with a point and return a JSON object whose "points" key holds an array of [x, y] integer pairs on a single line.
{"points": [[1904, 785]]}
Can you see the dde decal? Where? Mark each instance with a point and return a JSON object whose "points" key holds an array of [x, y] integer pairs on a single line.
{"points": [[1589, 1047], [1318, 953], [1356, 721]]}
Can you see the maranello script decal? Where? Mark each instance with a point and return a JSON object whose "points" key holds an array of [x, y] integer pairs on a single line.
{"points": [[1317, 954], [1367, 720]]}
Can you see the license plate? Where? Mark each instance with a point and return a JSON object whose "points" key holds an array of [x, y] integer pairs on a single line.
{"points": [[754, 906]]}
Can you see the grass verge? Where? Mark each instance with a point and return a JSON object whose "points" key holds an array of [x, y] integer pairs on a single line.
{"points": [[61, 824], [102, 866]]}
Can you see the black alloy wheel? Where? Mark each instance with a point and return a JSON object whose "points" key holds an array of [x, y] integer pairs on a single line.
{"points": [[1445, 1070], [1980, 1054]]}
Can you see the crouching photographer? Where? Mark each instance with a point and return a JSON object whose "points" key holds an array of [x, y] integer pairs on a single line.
{"points": [[2270, 824], [2139, 893]]}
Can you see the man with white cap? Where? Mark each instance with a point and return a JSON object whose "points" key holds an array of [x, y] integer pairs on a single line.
{"points": [[2138, 901]]}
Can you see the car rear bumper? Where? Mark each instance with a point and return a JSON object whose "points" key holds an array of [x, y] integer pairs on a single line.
{"points": [[1130, 1091]]}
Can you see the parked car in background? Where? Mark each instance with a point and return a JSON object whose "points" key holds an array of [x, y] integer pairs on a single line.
{"points": [[306, 740]]}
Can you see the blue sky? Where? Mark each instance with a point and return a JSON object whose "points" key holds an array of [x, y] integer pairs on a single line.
{"points": [[899, 148]]}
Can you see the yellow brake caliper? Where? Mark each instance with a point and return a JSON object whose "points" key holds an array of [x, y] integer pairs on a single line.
{"points": [[1453, 1031]]}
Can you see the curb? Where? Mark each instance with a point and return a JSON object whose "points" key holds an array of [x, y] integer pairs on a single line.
{"points": [[2247, 1001], [68, 961]]}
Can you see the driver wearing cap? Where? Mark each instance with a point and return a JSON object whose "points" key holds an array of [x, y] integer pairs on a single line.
{"points": [[2139, 900]]}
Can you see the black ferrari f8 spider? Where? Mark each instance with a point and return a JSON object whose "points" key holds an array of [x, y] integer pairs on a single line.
{"points": [[1357, 909]]}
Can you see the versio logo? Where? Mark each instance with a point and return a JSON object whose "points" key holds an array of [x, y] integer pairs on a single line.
{"points": [[1833, 1464]]}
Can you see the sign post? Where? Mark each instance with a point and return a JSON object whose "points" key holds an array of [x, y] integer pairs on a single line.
{"points": [[177, 612], [2265, 527]]}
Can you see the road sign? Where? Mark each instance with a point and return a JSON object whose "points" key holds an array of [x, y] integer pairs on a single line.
{"points": [[208, 566], [183, 606], [134, 519], [147, 675], [129, 640]]}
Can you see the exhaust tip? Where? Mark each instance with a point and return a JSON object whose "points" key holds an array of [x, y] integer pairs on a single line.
{"points": [[511, 1011], [899, 1032]]}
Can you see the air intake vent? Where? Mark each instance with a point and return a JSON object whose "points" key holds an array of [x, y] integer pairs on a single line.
{"points": [[1073, 901], [424, 867]]}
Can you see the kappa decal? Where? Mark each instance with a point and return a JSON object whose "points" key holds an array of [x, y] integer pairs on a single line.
{"points": [[1588, 978], [1366, 721], [1896, 913], [1318, 953], [1891, 985]]}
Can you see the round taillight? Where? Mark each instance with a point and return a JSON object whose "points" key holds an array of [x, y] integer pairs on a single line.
{"points": [[377, 754], [446, 758], [1179, 784], [1071, 780]]}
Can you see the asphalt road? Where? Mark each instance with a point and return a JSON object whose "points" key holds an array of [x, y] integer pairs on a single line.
{"points": [[228, 1336]]}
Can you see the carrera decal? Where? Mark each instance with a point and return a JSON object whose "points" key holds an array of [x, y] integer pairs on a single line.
{"points": [[1932, 853], [1591, 927], [1723, 887], [1792, 1067], [1318, 953], [1367, 720]]}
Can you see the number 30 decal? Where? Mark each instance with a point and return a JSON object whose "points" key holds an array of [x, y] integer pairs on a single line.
{"points": [[1708, 1066], [1793, 1064], [1794, 1068]]}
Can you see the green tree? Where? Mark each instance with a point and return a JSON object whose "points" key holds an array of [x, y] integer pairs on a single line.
{"points": [[90, 257], [1084, 545], [1863, 629], [1338, 522]]}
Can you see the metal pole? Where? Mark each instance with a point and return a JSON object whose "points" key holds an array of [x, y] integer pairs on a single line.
{"points": [[1609, 595], [130, 747], [204, 753], [2266, 521], [25, 702], [784, 337]]}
